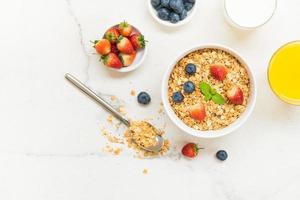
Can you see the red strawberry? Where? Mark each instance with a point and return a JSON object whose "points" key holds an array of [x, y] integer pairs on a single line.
{"points": [[127, 59], [112, 35], [138, 41], [219, 72], [235, 95], [102, 46], [197, 112], [125, 29], [112, 60], [124, 45], [190, 150], [114, 49]]}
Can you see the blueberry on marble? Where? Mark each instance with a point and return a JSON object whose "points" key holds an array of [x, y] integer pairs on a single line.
{"points": [[163, 14], [155, 3], [190, 69], [183, 14], [144, 98], [222, 155], [174, 17], [177, 97], [189, 87], [165, 3], [176, 5], [188, 6]]}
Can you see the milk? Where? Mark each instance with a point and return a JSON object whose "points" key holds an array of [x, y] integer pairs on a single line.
{"points": [[249, 13]]}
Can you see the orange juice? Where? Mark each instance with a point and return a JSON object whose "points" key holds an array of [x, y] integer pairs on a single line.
{"points": [[284, 73]]}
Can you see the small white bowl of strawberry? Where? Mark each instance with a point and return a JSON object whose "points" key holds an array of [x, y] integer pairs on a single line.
{"points": [[122, 48]]}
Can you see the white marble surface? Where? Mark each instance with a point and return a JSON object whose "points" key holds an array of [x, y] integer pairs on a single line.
{"points": [[50, 141]]}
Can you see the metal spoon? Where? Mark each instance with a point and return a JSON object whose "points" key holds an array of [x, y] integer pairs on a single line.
{"points": [[159, 139]]}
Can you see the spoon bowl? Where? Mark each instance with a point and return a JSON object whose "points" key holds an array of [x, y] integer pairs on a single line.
{"points": [[159, 143]]}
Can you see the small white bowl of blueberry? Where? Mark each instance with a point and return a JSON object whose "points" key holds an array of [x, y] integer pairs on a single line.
{"points": [[172, 13]]}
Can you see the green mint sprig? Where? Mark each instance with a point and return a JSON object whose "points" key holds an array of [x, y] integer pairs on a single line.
{"points": [[211, 94]]}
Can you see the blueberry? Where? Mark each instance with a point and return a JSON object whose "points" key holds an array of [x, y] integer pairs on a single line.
{"points": [[176, 5], [174, 17], [190, 1], [144, 98], [155, 3], [163, 14], [165, 3], [183, 14], [158, 7], [189, 87], [222, 155], [177, 97], [190, 69], [188, 6]]}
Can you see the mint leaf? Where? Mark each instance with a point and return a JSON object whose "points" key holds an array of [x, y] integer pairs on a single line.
{"points": [[218, 99], [205, 88], [207, 97], [213, 91], [211, 94]]}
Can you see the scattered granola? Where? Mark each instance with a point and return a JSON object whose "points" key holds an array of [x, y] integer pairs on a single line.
{"points": [[117, 151], [110, 119], [220, 115], [132, 92], [111, 138], [109, 149], [113, 98], [145, 171], [122, 110]]}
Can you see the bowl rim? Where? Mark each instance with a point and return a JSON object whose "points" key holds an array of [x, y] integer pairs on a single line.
{"points": [[212, 133], [130, 67], [191, 14]]}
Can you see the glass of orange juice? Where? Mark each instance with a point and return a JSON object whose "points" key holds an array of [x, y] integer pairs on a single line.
{"points": [[284, 73]]}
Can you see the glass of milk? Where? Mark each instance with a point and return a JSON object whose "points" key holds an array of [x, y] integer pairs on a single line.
{"points": [[249, 14]]}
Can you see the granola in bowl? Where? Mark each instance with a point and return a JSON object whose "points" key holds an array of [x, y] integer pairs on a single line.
{"points": [[209, 90]]}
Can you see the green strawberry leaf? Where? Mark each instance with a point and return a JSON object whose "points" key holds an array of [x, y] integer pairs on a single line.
{"points": [[205, 88], [218, 99]]}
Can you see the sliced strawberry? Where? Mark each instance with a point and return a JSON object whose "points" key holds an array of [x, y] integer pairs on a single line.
{"points": [[124, 45], [112, 35], [125, 29], [138, 41], [197, 112], [112, 60], [127, 59], [235, 95], [190, 150], [219, 72], [102, 46], [114, 49]]}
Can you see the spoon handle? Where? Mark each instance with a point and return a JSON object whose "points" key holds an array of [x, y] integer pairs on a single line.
{"points": [[95, 97]]}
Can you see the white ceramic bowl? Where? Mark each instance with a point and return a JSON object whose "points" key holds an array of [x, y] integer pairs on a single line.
{"points": [[213, 133], [139, 59], [190, 15]]}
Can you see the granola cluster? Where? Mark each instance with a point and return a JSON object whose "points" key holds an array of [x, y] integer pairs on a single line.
{"points": [[141, 133], [217, 116]]}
